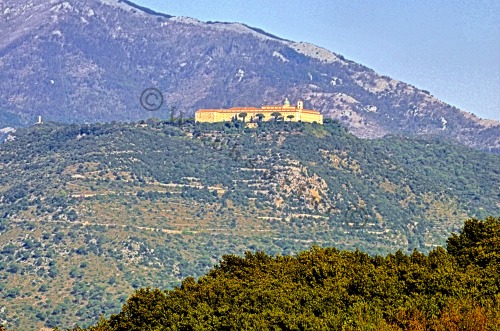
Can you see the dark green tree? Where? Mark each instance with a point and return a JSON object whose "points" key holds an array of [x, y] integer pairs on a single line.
{"points": [[243, 116], [276, 115]]}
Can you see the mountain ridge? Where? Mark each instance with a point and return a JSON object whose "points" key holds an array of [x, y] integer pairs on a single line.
{"points": [[88, 61]]}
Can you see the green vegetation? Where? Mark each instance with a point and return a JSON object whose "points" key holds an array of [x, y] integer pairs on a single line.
{"points": [[243, 115], [90, 213], [276, 115], [8, 119], [328, 289]]}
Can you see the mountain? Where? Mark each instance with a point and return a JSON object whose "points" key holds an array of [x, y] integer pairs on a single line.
{"points": [[90, 212], [88, 61]]}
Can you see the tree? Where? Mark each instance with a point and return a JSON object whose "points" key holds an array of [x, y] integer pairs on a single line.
{"points": [[243, 115], [260, 117], [172, 109], [477, 243], [72, 215], [290, 117], [144, 307], [276, 115]]}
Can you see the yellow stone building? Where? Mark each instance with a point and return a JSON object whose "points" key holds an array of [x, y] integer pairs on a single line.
{"points": [[286, 111]]}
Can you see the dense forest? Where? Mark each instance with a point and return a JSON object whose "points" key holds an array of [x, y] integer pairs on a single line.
{"points": [[457, 288], [90, 213]]}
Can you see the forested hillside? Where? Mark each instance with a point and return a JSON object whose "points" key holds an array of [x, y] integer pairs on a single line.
{"points": [[92, 212]]}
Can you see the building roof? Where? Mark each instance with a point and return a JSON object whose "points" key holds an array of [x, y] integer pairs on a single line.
{"points": [[243, 108], [264, 109]]}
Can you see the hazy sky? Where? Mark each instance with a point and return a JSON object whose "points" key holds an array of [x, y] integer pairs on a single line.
{"points": [[450, 48]]}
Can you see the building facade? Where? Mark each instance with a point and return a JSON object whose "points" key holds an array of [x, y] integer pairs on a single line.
{"points": [[265, 113]]}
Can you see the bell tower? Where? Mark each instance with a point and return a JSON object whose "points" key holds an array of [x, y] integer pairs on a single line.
{"points": [[300, 105]]}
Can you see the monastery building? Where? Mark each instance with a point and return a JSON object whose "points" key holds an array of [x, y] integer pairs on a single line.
{"points": [[285, 112]]}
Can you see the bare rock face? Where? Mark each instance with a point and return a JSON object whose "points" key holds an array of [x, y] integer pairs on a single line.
{"points": [[89, 60]]}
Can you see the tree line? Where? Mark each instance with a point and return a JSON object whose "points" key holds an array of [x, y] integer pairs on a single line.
{"points": [[452, 288]]}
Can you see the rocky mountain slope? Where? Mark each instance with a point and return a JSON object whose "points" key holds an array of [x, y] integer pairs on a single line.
{"points": [[87, 61], [90, 212]]}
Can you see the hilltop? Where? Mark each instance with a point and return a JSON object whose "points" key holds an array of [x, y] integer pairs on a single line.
{"points": [[88, 61], [91, 212]]}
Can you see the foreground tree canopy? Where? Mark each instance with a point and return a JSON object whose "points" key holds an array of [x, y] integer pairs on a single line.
{"points": [[328, 289]]}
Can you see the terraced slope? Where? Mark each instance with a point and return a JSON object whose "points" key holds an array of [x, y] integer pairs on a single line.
{"points": [[90, 212]]}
